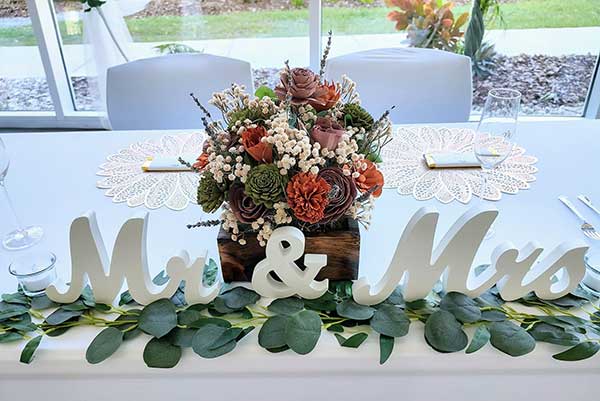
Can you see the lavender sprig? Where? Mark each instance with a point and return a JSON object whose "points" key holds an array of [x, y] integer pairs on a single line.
{"points": [[365, 196], [205, 223], [325, 55], [188, 165]]}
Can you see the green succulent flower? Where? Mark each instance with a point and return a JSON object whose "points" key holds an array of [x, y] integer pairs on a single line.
{"points": [[247, 113], [358, 117], [265, 184], [210, 194]]}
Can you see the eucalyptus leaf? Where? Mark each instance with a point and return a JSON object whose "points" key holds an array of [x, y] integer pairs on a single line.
{"points": [[336, 328], [21, 323], [106, 343], [272, 333], [60, 316], [353, 341], [206, 336], [125, 298], [10, 337], [545, 332], [462, 307], [42, 302], [244, 333], [444, 333], [159, 353], [511, 339], [181, 337], [158, 318], [386, 346], [391, 321], [29, 350], [230, 334], [286, 306], [75, 306], [188, 316], [209, 320], [11, 310], [480, 338], [351, 310], [302, 331], [493, 316], [579, 352], [325, 303], [16, 298]]}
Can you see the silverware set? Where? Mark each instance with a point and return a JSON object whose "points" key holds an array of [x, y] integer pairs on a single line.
{"points": [[586, 228]]}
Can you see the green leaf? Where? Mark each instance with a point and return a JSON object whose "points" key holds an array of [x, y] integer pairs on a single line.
{"points": [[22, 323], [263, 91], [351, 310], [396, 297], [417, 304], [272, 333], [391, 321], [129, 333], [209, 320], [239, 298], [325, 303], [10, 337], [220, 306], [230, 334], [29, 350], [545, 332], [106, 343], [475, 30], [60, 316], [480, 338], [462, 307], [16, 298], [386, 346], [161, 278], [210, 273], [75, 306], [125, 298], [188, 316], [158, 318], [181, 337], [444, 333], [11, 310], [42, 302], [352, 342], [579, 352], [159, 353], [206, 336], [336, 328], [493, 316], [244, 333], [302, 331], [286, 306], [511, 339]]}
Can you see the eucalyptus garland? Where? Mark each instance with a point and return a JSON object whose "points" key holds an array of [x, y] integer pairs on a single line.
{"points": [[297, 324]]}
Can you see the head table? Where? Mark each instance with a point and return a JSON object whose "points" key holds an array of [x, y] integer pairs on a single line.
{"points": [[52, 180]]}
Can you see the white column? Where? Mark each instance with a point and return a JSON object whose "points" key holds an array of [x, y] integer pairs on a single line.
{"points": [[48, 38], [314, 33]]}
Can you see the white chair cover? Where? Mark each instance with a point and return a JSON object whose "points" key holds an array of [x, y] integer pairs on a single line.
{"points": [[154, 93], [426, 86]]}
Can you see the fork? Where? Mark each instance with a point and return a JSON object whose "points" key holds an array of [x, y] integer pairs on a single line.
{"points": [[588, 202], [587, 229]]}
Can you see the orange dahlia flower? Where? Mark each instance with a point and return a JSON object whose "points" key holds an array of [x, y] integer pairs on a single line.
{"points": [[307, 196], [325, 97], [201, 161], [369, 177], [252, 141]]}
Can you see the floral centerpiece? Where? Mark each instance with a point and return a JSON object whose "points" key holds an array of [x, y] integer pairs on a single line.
{"points": [[304, 154]]}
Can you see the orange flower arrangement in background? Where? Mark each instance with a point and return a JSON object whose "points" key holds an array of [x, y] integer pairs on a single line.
{"points": [[307, 195], [369, 177], [252, 141]]}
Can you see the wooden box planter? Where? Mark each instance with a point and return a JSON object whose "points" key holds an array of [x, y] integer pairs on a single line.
{"points": [[342, 247]]}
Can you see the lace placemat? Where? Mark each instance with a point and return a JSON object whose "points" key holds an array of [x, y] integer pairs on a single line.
{"points": [[404, 166], [125, 181]]}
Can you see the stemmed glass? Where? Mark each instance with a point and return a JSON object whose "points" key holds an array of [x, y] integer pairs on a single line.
{"points": [[494, 140], [22, 237]]}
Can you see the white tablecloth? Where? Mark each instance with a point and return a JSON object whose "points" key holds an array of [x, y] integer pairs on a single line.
{"points": [[52, 180]]}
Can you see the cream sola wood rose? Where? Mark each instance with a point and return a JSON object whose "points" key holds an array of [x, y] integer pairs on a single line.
{"points": [[304, 154]]}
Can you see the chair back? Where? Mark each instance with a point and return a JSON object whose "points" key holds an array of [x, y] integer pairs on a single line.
{"points": [[154, 93], [425, 85]]}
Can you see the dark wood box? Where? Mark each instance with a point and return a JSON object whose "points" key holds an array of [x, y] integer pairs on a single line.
{"points": [[342, 247]]}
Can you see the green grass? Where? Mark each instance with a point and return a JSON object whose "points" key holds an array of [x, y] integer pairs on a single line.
{"points": [[343, 21]]}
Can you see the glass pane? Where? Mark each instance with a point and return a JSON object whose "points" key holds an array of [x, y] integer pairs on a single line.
{"points": [[23, 85], [264, 33], [547, 49]]}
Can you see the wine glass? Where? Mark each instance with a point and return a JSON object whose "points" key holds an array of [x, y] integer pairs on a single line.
{"points": [[494, 140], [22, 237]]}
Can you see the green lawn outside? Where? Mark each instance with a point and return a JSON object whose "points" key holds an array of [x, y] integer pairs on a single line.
{"points": [[343, 21]]}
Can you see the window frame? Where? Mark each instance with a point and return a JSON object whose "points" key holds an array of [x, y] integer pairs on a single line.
{"points": [[66, 115]]}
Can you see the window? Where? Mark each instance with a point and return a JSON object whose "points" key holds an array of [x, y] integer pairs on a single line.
{"points": [[23, 85]]}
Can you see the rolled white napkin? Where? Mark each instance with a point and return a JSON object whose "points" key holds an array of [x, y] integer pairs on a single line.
{"points": [[451, 160]]}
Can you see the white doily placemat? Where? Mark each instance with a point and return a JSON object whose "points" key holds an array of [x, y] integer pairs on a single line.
{"points": [[404, 167], [125, 181]]}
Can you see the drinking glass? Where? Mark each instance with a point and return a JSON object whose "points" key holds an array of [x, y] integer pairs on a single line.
{"points": [[494, 140], [22, 237]]}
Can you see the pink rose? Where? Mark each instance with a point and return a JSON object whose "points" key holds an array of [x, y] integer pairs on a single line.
{"points": [[327, 133], [304, 83]]}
